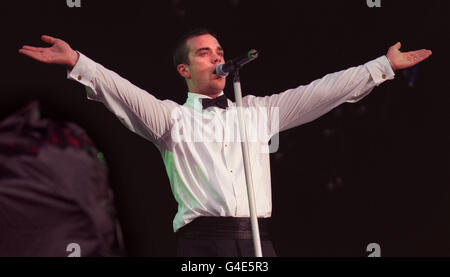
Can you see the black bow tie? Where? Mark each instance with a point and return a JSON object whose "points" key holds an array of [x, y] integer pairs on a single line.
{"points": [[220, 102]]}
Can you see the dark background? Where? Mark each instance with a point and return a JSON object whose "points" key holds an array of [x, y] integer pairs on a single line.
{"points": [[374, 171]]}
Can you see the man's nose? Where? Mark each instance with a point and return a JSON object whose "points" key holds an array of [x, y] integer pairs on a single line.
{"points": [[216, 59]]}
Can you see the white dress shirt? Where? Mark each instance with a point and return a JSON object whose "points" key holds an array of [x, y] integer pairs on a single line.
{"points": [[201, 149]]}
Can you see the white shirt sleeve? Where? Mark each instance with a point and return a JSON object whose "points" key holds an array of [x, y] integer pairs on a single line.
{"points": [[305, 103], [138, 110]]}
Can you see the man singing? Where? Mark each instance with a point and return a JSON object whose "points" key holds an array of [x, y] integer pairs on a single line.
{"points": [[197, 140]]}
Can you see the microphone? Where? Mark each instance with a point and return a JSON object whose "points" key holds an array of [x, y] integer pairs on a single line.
{"points": [[222, 70]]}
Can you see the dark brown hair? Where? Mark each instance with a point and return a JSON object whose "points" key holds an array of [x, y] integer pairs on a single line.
{"points": [[181, 51]]}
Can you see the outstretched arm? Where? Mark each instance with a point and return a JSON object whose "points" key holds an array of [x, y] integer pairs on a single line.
{"points": [[306, 103], [137, 109]]}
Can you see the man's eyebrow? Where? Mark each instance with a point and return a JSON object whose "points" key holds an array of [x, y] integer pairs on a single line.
{"points": [[200, 49], [207, 48]]}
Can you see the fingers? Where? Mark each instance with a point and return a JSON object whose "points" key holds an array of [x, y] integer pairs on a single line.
{"points": [[420, 54], [34, 55], [426, 52], [415, 57], [31, 48], [48, 39]]}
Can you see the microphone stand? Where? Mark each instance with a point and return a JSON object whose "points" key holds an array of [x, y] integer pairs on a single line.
{"points": [[247, 167]]}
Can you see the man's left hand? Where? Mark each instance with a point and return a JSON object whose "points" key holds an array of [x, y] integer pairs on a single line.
{"points": [[401, 60]]}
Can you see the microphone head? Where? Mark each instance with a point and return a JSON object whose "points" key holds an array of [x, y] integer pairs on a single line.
{"points": [[253, 54], [220, 72]]}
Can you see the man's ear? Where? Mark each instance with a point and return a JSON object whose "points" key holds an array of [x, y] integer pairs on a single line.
{"points": [[184, 71]]}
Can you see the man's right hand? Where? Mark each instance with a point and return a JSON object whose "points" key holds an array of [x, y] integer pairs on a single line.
{"points": [[59, 53]]}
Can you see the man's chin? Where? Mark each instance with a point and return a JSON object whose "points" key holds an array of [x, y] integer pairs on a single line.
{"points": [[221, 84], [217, 87], [213, 91], [213, 88]]}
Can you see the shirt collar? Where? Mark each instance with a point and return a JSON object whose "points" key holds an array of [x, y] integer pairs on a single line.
{"points": [[194, 100]]}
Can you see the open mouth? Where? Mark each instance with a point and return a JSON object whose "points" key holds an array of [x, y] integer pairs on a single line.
{"points": [[215, 75]]}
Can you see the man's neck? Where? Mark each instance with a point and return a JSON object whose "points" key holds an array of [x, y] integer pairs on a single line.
{"points": [[208, 94]]}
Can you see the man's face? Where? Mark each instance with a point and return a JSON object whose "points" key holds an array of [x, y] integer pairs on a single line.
{"points": [[205, 53]]}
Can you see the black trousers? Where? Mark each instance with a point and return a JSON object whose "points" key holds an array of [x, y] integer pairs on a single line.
{"points": [[222, 237]]}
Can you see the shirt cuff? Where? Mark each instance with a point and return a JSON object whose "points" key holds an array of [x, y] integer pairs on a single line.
{"points": [[83, 71], [381, 70]]}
